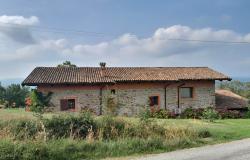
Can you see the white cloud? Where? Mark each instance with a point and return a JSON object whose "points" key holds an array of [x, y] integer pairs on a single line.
{"points": [[19, 20], [17, 28], [162, 43], [160, 49]]}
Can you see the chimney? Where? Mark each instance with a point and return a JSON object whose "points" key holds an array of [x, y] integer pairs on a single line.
{"points": [[103, 67]]}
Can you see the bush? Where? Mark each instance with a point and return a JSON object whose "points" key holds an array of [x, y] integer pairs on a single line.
{"points": [[151, 128], [190, 112], [69, 126], [37, 101], [156, 113], [110, 127], [160, 113], [145, 114], [62, 126], [23, 129], [210, 114], [204, 133], [7, 151], [229, 114], [247, 114]]}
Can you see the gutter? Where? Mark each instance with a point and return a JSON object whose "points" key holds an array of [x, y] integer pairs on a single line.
{"points": [[100, 97], [178, 94], [165, 96]]}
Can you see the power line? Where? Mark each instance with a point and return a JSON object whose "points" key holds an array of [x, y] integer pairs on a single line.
{"points": [[99, 34], [207, 41], [53, 30]]}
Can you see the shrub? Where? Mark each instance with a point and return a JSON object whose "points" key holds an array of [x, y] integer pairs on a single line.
{"points": [[110, 127], [224, 114], [160, 113], [112, 104], [7, 151], [23, 129], [150, 128], [247, 114], [192, 113], [210, 114], [69, 125], [145, 114], [33, 151], [156, 113], [204, 133], [37, 101]]}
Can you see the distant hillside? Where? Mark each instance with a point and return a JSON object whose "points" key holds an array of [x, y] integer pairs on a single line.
{"points": [[226, 99], [6, 82], [242, 79]]}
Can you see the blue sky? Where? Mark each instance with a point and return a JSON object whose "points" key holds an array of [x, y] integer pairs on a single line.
{"points": [[124, 33]]}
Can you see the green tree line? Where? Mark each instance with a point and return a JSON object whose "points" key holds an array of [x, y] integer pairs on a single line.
{"points": [[13, 95]]}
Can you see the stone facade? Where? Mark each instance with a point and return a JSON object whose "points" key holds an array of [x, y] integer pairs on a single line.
{"points": [[131, 98]]}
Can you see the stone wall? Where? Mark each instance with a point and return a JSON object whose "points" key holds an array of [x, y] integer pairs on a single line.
{"points": [[133, 101], [131, 98], [84, 97]]}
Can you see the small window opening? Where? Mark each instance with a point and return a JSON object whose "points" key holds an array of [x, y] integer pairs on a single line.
{"points": [[67, 104], [154, 100], [112, 91]]}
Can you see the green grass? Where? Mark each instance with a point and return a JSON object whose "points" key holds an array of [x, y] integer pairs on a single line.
{"points": [[19, 113], [15, 113], [221, 131]]}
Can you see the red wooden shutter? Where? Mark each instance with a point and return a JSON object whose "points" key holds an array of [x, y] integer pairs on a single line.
{"points": [[64, 104], [151, 102]]}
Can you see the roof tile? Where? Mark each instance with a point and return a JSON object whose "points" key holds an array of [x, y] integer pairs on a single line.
{"points": [[80, 75]]}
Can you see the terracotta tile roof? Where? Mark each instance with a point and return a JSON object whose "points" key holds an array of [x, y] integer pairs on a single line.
{"points": [[81, 75]]}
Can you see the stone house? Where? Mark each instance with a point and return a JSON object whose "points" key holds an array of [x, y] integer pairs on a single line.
{"points": [[127, 89]]}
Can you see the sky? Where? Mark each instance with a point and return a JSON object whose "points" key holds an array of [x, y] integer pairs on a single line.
{"points": [[124, 33]]}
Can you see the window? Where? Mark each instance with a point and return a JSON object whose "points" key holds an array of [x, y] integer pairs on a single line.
{"points": [[186, 92], [67, 104], [71, 103], [112, 91], [154, 100]]}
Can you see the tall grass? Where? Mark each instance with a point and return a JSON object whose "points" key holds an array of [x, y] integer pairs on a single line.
{"points": [[82, 136], [77, 149]]}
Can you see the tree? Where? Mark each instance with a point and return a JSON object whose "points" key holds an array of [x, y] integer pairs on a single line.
{"points": [[66, 64], [15, 95], [2, 92], [39, 101]]}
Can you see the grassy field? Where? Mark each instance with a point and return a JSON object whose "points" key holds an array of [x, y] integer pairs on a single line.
{"points": [[20, 113], [220, 130]]}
